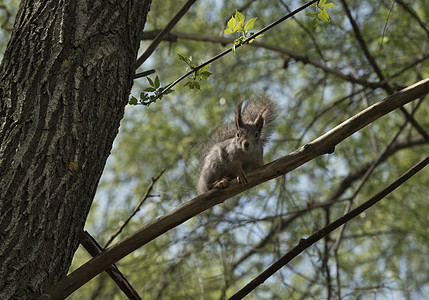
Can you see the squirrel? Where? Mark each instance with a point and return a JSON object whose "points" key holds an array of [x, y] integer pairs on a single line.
{"points": [[237, 148]]}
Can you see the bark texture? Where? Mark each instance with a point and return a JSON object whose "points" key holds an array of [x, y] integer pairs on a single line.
{"points": [[64, 82]]}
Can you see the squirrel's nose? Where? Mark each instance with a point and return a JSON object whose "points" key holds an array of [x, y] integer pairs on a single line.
{"points": [[246, 145]]}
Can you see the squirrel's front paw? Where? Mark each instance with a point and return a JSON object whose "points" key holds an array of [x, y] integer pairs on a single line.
{"points": [[221, 183], [242, 179]]}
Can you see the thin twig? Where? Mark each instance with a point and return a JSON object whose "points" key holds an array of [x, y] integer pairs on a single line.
{"points": [[144, 74], [136, 209], [161, 35], [305, 243], [385, 25]]}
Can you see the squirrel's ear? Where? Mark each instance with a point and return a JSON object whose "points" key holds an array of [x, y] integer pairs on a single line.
{"points": [[238, 121], [259, 122]]}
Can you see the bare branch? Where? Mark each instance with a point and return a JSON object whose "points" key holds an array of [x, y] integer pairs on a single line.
{"points": [[93, 248]]}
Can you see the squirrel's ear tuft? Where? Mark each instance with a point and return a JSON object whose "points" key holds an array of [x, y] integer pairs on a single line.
{"points": [[259, 122], [238, 121]]}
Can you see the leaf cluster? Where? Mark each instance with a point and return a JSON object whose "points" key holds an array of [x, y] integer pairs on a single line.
{"points": [[240, 29], [150, 94], [200, 72], [321, 12]]}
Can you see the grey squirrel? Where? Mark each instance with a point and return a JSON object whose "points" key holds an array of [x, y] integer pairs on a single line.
{"points": [[237, 148]]}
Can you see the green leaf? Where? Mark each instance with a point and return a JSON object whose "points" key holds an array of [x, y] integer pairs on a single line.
{"points": [[312, 15], [133, 101], [228, 31], [181, 57], [250, 24], [323, 15], [205, 75], [149, 89], [150, 81], [239, 17], [205, 68], [328, 5], [322, 3], [238, 28], [231, 23], [314, 22], [157, 84]]}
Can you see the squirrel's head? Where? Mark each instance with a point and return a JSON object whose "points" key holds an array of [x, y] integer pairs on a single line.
{"points": [[247, 135]]}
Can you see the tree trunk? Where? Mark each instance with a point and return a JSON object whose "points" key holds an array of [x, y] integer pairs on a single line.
{"points": [[64, 82]]}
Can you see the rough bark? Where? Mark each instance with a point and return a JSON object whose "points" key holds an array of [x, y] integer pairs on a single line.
{"points": [[64, 82]]}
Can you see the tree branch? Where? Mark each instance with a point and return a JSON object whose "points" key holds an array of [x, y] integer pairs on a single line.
{"points": [[322, 145], [93, 248]]}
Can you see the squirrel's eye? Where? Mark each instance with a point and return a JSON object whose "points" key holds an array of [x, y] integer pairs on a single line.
{"points": [[238, 134], [256, 134]]}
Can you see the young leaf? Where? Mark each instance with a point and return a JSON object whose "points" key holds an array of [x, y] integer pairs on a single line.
{"points": [[157, 84], [150, 81], [239, 17], [328, 5], [149, 90], [322, 3], [312, 15], [205, 75], [205, 68], [323, 15], [250, 24], [231, 23], [314, 22], [228, 31]]}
